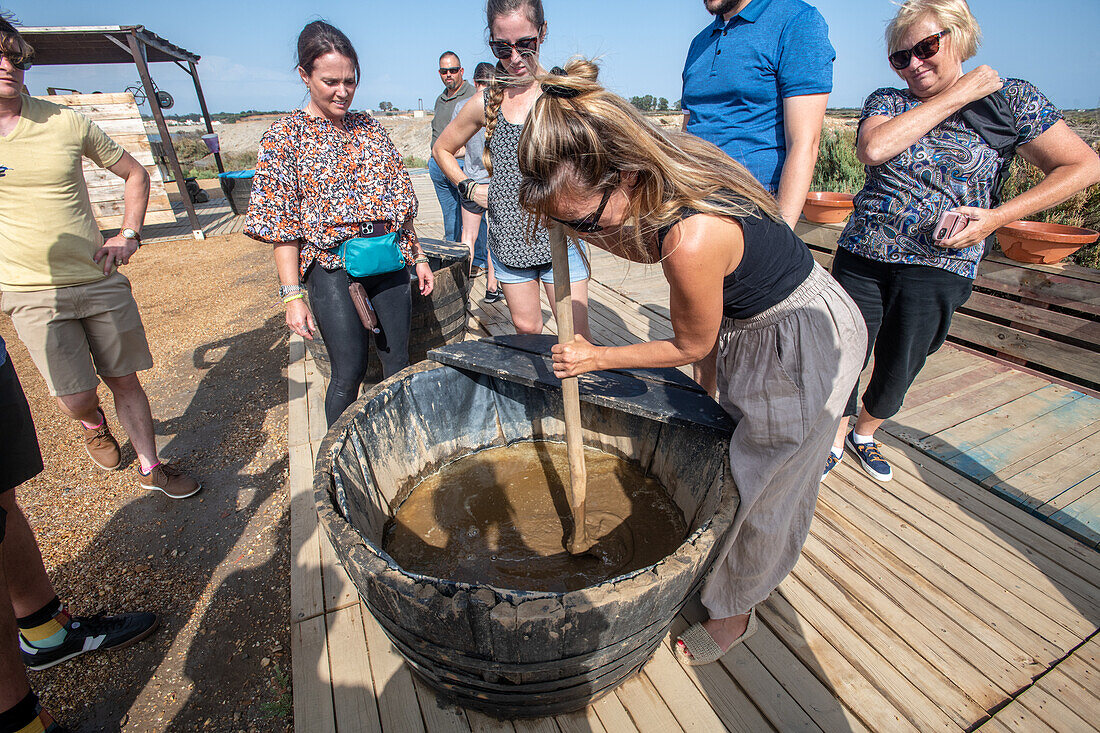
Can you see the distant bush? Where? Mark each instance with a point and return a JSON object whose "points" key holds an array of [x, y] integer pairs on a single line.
{"points": [[411, 161], [839, 170]]}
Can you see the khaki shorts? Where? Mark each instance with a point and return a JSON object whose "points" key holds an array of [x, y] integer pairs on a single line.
{"points": [[77, 332]]}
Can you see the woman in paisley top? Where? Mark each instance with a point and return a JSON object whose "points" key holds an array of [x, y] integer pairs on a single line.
{"points": [[925, 156], [323, 173], [520, 253]]}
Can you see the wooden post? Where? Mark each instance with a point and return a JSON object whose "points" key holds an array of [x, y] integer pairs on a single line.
{"points": [[205, 112], [570, 394], [158, 116]]}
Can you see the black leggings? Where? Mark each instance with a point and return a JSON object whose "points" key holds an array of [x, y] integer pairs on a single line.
{"points": [[908, 311], [347, 341]]}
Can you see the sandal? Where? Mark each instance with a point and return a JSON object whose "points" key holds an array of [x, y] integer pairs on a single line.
{"points": [[702, 647]]}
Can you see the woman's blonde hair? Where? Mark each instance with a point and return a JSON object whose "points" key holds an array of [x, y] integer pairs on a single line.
{"points": [[953, 15], [581, 136]]}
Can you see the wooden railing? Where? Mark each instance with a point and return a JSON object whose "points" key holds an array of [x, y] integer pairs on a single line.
{"points": [[1042, 317]]}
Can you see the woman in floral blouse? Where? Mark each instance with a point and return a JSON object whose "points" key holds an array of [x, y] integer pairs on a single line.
{"points": [[323, 173], [939, 145]]}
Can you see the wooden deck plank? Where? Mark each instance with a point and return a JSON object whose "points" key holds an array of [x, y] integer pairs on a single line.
{"points": [[1056, 713], [1041, 575], [439, 716], [1072, 494], [482, 723], [894, 684], [968, 402], [858, 692], [989, 652], [935, 686], [614, 717], [983, 616], [990, 425], [582, 721], [1043, 638], [339, 591], [728, 701], [1081, 518], [1015, 717], [1026, 436], [924, 641], [398, 709], [306, 591], [1075, 683], [535, 725], [1037, 482], [648, 711], [353, 691], [1029, 534], [690, 708], [1059, 603], [928, 391], [312, 684]]}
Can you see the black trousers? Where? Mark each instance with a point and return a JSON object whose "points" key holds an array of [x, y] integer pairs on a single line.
{"points": [[20, 459], [347, 341], [908, 311]]}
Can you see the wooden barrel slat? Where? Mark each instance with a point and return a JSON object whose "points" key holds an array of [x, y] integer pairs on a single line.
{"points": [[509, 653]]}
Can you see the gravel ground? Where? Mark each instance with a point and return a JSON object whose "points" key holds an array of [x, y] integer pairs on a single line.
{"points": [[215, 566]]}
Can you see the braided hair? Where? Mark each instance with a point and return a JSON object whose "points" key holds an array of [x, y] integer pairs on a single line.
{"points": [[495, 95]]}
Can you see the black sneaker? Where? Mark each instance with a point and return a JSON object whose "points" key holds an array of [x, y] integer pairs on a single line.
{"points": [[492, 296], [90, 633]]}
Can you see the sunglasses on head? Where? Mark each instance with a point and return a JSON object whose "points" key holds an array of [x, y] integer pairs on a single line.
{"points": [[591, 223], [524, 46], [923, 49], [20, 62], [450, 70]]}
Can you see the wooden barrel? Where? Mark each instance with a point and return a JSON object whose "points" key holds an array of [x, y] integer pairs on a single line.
{"points": [[520, 653], [437, 319]]}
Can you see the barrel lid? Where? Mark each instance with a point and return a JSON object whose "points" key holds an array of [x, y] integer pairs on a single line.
{"points": [[664, 395]]}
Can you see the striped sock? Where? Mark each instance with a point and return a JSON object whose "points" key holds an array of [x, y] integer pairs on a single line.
{"points": [[27, 716], [47, 627]]}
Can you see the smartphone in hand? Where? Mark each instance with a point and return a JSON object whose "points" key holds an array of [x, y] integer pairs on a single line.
{"points": [[950, 224]]}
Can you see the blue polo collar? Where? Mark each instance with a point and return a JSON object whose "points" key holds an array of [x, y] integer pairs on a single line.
{"points": [[750, 14]]}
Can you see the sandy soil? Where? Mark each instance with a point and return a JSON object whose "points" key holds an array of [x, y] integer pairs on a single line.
{"points": [[215, 566]]}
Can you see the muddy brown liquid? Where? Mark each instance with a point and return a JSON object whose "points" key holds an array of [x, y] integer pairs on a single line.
{"points": [[500, 517]]}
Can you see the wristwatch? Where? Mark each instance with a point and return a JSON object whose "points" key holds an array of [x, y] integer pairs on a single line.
{"points": [[129, 233], [467, 188]]}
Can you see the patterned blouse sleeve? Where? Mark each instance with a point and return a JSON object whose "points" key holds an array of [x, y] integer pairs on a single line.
{"points": [[881, 102], [1034, 112], [274, 208]]}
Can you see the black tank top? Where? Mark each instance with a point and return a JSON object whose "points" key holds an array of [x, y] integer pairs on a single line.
{"points": [[774, 263]]}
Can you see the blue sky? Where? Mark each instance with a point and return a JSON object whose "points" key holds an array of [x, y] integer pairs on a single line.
{"points": [[247, 47]]}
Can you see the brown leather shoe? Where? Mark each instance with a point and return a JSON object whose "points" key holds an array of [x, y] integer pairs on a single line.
{"points": [[173, 482], [101, 445]]}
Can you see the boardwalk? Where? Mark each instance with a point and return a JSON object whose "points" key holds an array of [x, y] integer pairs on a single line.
{"points": [[928, 603]]}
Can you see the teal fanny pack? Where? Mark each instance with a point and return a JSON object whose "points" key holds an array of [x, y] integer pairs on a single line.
{"points": [[372, 254]]}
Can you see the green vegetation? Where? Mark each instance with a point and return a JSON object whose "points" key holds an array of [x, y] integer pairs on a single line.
{"points": [[227, 118], [411, 161], [649, 103], [837, 167], [839, 170], [283, 705]]}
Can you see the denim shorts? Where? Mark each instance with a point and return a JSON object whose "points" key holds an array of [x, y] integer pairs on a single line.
{"points": [[578, 270]]}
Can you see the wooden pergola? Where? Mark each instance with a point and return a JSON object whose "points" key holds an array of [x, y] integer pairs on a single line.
{"points": [[126, 44]]}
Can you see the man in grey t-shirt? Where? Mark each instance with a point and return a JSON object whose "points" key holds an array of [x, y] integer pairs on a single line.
{"points": [[455, 90]]}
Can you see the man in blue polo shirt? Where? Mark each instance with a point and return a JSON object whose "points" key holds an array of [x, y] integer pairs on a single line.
{"points": [[756, 83]]}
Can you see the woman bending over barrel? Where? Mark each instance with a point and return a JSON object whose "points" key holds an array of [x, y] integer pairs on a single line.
{"points": [[325, 175], [786, 332]]}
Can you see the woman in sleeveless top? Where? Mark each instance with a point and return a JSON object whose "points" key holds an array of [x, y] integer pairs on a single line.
{"points": [[521, 259], [786, 332]]}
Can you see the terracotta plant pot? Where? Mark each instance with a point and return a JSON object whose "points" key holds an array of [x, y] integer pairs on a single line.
{"points": [[826, 207], [1040, 242]]}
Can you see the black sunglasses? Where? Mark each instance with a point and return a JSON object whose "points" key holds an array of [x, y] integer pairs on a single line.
{"points": [[591, 223], [923, 49], [20, 62], [451, 70], [524, 46]]}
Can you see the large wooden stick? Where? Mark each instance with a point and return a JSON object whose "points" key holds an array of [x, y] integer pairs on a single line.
{"points": [[570, 393]]}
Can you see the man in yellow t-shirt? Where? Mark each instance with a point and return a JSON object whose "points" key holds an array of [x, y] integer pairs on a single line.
{"points": [[61, 286]]}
